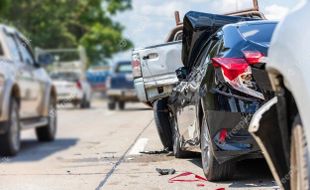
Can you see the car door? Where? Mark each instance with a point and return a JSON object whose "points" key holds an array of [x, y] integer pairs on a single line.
{"points": [[187, 113], [31, 89]]}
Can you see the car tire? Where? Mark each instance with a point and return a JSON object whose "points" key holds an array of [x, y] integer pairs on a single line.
{"points": [[121, 105], [299, 175], [47, 133], [149, 104], [213, 170], [162, 122], [111, 105], [83, 103], [10, 141], [88, 105]]}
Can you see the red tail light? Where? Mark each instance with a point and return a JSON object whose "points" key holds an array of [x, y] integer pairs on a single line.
{"points": [[253, 57], [136, 66], [223, 135], [238, 73], [79, 85], [232, 67]]}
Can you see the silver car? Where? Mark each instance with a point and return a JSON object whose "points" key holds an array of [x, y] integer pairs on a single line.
{"points": [[27, 96]]}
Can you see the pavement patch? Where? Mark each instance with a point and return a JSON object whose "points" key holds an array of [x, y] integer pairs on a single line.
{"points": [[104, 181]]}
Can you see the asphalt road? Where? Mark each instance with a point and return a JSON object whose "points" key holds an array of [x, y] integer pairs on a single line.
{"points": [[99, 149]]}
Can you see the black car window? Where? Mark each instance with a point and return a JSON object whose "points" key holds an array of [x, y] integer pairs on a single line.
{"points": [[25, 52], [12, 45], [204, 53], [260, 33], [216, 48]]}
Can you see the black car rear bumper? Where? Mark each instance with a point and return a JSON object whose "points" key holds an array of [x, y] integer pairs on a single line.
{"points": [[239, 143]]}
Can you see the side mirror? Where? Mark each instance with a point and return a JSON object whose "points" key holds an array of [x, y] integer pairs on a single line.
{"points": [[181, 73], [45, 59]]}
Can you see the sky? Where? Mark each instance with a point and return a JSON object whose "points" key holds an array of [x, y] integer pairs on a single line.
{"points": [[149, 21]]}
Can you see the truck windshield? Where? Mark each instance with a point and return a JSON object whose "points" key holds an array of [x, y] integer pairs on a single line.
{"points": [[259, 33], [66, 76], [124, 68]]}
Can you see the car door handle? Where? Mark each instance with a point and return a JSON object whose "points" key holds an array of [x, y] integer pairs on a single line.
{"points": [[151, 56]]}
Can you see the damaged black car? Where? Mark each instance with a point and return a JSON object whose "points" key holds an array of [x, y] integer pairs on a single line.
{"points": [[217, 95]]}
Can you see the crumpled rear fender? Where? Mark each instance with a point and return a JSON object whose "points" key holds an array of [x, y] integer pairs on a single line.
{"points": [[269, 136]]}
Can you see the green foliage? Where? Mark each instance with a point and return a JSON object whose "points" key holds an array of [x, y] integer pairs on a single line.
{"points": [[4, 4], [68, 23]]}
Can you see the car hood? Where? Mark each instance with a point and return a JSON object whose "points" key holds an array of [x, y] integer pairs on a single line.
{"points": [[198, 28]]}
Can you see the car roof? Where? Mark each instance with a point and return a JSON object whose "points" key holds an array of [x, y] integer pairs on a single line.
{"points": [[12, 30], [256, 22]]}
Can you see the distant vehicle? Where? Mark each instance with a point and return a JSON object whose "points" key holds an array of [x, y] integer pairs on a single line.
{"points": [[68, 73], [120, 86], [28, 96], [281, 126], [97, 76], [72, 87]]}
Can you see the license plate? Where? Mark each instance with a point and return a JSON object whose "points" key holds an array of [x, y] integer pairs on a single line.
{"points": [[130, 93]]}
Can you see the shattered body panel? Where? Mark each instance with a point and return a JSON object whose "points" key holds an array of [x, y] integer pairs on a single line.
{"points": [[198, 27], [264, 128]]}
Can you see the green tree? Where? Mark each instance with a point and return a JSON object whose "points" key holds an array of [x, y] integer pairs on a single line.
{"points": [[68, 23], [3, 5]]}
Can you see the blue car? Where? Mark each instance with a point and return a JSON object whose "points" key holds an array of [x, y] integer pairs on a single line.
{"points": [[120, 86]]}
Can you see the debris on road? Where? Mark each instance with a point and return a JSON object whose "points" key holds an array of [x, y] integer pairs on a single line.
{"points": [[164, 151], [182, 178], [165, 171]]}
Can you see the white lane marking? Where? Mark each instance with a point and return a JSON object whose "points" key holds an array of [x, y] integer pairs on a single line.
{"points": [[139, 146], [109, 113]]}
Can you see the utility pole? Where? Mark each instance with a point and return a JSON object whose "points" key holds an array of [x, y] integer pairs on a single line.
{"points": [[255, 3]]}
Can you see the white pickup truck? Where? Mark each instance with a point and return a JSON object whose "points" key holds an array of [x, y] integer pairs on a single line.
{"points": [[154, 66], [154, 72]]}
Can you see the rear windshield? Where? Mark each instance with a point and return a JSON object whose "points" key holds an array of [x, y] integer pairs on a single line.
{"points": [[260, 33], [66, 76], [124, 68]]}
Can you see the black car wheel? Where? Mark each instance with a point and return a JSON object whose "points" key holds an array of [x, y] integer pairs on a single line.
{"points": [[111, 104], [121, 105], [84, 103], [88, 105], [10, 141], [299, 157], [162, 121], [48, 132], [211, 168]]}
